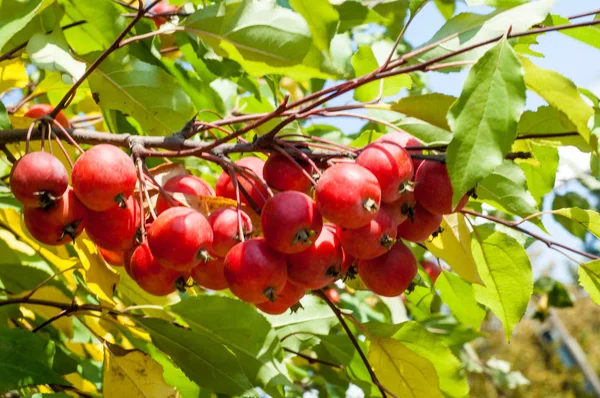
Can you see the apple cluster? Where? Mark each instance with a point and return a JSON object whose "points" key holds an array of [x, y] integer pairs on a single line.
{"points": [[351, 222]]}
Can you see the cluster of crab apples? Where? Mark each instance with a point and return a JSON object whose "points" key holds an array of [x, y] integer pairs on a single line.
{"points": [[352, 221]]}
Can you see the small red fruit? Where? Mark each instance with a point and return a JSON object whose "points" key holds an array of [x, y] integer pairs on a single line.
{"points": [[162, 7], [59, 224], [390, 274], [180, 238], [433, 189], [257, 193], [319, 265], [280, 173], [210, 275], [420, 226], [405, 140], [38, 179], [224, 223], [392, 166], [103, 177], [40, 110], [288, 297], [116, 228], [372, 240], [149, 274], [291, 222], [185, 184], [255, 272], [432, 269], [333, 295], [348, 195], [402, 208], [113, 258]]}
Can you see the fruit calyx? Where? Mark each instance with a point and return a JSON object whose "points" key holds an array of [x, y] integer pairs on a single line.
{"points": [[406, 186], [204, 256], [121, 200], [270, 294], [371, 206], [303, 237], [387, 241], [70, 230]]}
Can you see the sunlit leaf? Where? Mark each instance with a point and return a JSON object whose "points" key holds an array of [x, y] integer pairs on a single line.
{"points": [[321, 17], [12, 75], [588, 219], [14, 16], [589, 278], [100, 278], [458, 295], [364, 62]]}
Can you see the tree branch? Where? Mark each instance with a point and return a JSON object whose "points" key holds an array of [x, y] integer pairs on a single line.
{"points": [[312, 360]]}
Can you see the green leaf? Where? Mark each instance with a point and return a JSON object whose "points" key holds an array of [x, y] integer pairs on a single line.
{"points": [[484, 118], [15, 14], [430, 108], [506, 272], [588, 219], [446, 7], [571, 199], [208, 364], [173, 375], [506, 189], [496, 3], [353, 14], [143, 91], [587, 34], [562, 94], [4, 120], [401, 371], [549, 122], [420, 302], [364, 62], [589, 278], [51, 52], [425, 132], [239, 327], [322, 19], [458, 295], [540, 172], [419, 340], [26, 360]]}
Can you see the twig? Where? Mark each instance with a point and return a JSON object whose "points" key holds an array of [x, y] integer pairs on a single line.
{"points": [[312, 360]]}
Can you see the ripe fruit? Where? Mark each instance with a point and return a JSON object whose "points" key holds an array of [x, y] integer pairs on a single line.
{"points": [[432, 269], [185, 184], [348, 195], [255, 272], [405, 140], [161, 7], [392, 166], [333, 295], [210, 275], [433, 189], [116, 228], [38, 179], [390, 274], [372, 240], [40, 110], [149, 274], [180, 238], [420, 226], [288, 297], [59, 224], [224, 223], [257, 193], [291, 222], [113, 258], [280, 173], [103, 177], [319, 265], [403, 207]]}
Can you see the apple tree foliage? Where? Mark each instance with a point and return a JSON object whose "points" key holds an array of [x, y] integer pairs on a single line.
{"points": [[72, 324]]}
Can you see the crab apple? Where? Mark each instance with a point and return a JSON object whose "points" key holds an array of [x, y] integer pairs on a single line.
{"points": [[40, 110], [127, 259], [348, 195], [103, 177], [432, 269], [392, 166], [404, 139], [421, 226], [390, 274], [116, 228], [282, 174], [149, 274], [185, 184], [38, 179], [372, 240], [210, 275], [180, 238], [257, 193], [254, 272], [59, 224], [433, 189], [226, 234], [291, 222], [162, 7], [333, 295], [284, 300], [111, 257], [319, 265], [402, 208]]}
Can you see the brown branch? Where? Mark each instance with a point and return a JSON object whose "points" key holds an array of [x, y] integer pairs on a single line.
{"points": [[312, 360]]}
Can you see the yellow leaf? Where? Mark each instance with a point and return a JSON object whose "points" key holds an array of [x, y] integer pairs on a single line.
{"points": [[80, 383], [13, 75], [164, 172], [100, 277], [355, 283], [132, 294], [51, 293], [133, 374], [97, 325], [453, 246], [401, 371]]}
